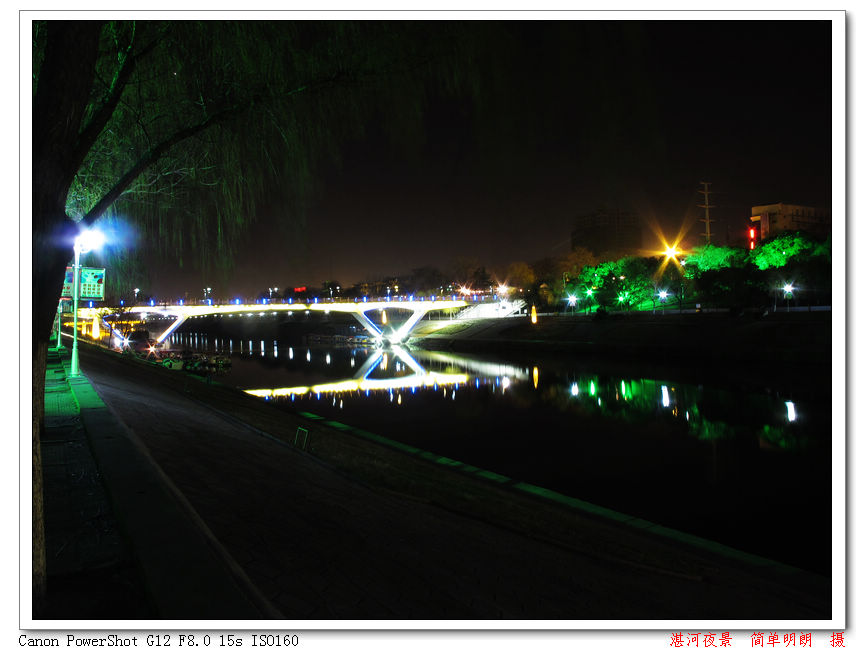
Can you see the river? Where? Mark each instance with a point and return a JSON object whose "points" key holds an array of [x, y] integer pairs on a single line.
{"points": [[746, 466]]}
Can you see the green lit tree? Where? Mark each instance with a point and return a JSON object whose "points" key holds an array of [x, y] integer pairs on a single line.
{"points": [[781, 250], [712, 258], [635, 280]]}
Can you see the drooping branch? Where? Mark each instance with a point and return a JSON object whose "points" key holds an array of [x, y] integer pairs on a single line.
{"points": [[155, 153], [101, 117]]}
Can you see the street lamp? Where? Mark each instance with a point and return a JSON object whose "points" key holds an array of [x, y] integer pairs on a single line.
{"points": [[788, 293], [85, 242], [662, 294]]}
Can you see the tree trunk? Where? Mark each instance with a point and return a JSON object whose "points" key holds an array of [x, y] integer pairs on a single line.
{"points": [[50, 257], [65, 81]]}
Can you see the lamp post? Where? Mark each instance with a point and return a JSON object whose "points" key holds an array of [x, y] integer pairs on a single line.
{"points": [[85, 242]]}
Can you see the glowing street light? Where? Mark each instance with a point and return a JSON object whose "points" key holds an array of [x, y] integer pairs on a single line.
{"points": [[85, 242], [788, 293]]}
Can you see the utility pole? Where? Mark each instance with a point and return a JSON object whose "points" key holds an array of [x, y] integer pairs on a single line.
{"points": [[705, 192]]}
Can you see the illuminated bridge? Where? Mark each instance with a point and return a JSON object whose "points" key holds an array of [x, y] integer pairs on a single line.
{"points": [[418, 309]]}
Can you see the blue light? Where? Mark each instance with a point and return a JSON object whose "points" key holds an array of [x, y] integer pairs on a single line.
{"points": [[151, 302], [181, 301], [121, 303], [237, 301]]}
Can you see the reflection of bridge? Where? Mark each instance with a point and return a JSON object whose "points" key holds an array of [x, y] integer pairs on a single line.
{"points": [[418, 309], [361, 380]]}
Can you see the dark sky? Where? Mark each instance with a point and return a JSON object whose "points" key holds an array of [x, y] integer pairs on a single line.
{"points": [[584, 115]]}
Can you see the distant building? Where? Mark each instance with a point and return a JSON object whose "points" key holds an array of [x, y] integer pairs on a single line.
{"points": [[773, 219], [606, 232]]}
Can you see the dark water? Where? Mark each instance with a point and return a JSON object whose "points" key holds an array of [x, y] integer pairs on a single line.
{"points": [[748, 467]]}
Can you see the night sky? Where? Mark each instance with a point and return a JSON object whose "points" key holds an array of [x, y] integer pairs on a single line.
{"points": [[629, 115]]}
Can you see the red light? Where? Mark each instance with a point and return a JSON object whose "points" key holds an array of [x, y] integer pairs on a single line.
{"points": [[752, 245], [299, 289], [752, 233]]}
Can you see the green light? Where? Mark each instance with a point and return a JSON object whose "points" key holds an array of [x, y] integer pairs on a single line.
{"points": [[592, 388]]}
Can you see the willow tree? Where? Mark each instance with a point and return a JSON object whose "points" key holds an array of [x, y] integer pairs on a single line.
{"points": [[186, 126]]}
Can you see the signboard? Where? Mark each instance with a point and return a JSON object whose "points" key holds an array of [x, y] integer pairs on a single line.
{"points": [[91, 284]]}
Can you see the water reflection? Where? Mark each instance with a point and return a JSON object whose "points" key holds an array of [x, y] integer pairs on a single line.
{"points": [[409, 374], [705, 414]]}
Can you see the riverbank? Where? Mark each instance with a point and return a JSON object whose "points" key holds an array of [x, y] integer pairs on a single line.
{"points": [[175, 417], [792, 349]]}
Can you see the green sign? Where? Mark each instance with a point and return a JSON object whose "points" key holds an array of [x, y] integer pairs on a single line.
{"points": [[91, 284]]}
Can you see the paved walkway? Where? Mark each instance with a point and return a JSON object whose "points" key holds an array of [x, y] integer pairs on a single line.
{"points": [[228, 523]]}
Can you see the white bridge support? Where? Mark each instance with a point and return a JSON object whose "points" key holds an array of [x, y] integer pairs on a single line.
{"points": [[180, 313], [368, 325]]}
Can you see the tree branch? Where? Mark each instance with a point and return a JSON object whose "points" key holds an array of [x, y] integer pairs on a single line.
{"points": [[100, 118], [153, 155]]}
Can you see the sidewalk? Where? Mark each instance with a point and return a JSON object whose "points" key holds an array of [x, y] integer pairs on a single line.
{"points": [[133, 554]]}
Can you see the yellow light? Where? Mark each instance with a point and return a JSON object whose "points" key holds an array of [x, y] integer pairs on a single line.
{"points": [[349, 385], [671, 251], [535, 374], [534, 315], [383, 317], [94, 328]]}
